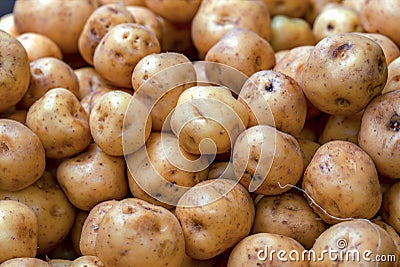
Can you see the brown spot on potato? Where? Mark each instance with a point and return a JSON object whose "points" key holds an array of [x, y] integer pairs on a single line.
{"points": [[340, 50], [394, 123]]}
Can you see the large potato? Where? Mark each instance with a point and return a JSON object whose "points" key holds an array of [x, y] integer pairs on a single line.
{"points": [[379, 133], [341, 182], [215, 215], [22, 156], [14, 71], [344, 73], [61, 21], [55, 214], [60, 122], [128, 43], [38, 46], [267, 161], [92, 177], [178, 11], [135, 233], [18, 228]]}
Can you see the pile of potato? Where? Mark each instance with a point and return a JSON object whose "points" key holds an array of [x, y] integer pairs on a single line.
{"points": [[178, 133]]}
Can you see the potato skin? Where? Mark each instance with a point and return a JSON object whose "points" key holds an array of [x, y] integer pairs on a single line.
{"points": [[136, 233], [178, 11], [146, 17], [38, 46], [356, 61], [390, 206], [393, 81], [14, 61], [22, 156], [220, 210], [19, 227], [342, 179], [25, 262], [87, 261]]}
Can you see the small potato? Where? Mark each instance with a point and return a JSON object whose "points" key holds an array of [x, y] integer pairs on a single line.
{"points": [[14, 71], [136, 233], [178, 11], [48, 73], [316, 7], [340, 127], [18, 228], [63, 28], [243, 50], [362, 237], [7, 24], [89, 80], [308, 149], [87, 261], [288, 33], [290, 8], [92, 177], [215, 215], [98, 24], [273, 98], [25, 262], [290, 215], [341, 182], [59, 263], [159, 80], [334, 20], [22, 156], [161, 172], [391, 206], [390, 49], [54, 213], [255, 250], [379, 133], [393, 81], [356, 61], [38, 46], [147, 18], [198, 116], [76, 230], [60, 122], [90, 227], [110, 132], [128, 43], [266, 160], [215, 18]]}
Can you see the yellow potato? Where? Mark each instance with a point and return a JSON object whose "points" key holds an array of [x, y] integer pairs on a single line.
{"points": [[393, 81], [390, 206], [90, 100], [7, 24], [147, 18], [25, 262], [89, 80], [316, 7], [390, 49], [59, 263], [38, 46], [76, 230], [308, 149], [178, 11], [87, 261]]}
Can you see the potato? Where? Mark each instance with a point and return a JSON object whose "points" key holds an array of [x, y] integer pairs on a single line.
{"points": [[7, 24], [22, 156], [87, 261], [243, 50], [215, 18], [354, 4], [189, 262], [147, 18], [87, 242], [339, 127], [288, 33], [54, 212], [391, 231], [341, 182], [63, 28], [179, 11], [215, 215], [136, 233], [14, 71], [38, 46], [390, 49], [90, 100], [15, 114], [60, 122], [316, 7], [129, 43], [393, 76], [336, 19], [125, 2], [176, 37], [353, 243], [266, 160], [221, 170], [92, 177], [379, 133], [257, 250], [198, 116], [59, 263], [76, 230], [18, 227], [89, 80], [98, 24], [356, 61], [114, 135], [25, 262], [290, 215], [158, 80], [380, 17], [308, 149], [391, 208], [290, 8], [273, 98], [48, 73]]}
